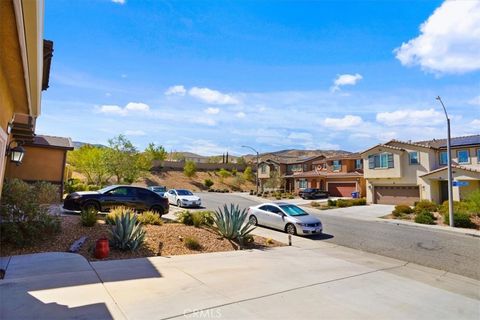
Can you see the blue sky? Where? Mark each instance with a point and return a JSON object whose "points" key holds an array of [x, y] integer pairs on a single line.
{"points": [[210, 76]]}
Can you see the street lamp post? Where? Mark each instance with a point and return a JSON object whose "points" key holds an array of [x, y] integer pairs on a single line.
{"points": [[449, 163], [256, 175]]}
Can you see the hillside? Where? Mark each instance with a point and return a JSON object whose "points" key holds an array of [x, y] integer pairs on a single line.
{"points": [[291, 154]]}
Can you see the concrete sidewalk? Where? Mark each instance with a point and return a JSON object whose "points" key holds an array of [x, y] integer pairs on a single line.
{"points": [[311, 279]]}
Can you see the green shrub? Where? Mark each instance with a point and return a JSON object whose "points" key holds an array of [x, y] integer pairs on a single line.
{"points": [[315, 204], [150, 217], [68, 188], [425, 217], [342, 203], [192, 243], [252, 192], [278, 198], [332, 203], [291, 196], [88, 218], [402, 209], [46, 193], [232, 223], [79, 187], [202, 218], [117, 211], [359, 202], [127, 233], [208, 183], [185, 217], [269, 241], [23, 220], [93, 187], [425, 205], [458, 206], [473, 202], [460, 219]]}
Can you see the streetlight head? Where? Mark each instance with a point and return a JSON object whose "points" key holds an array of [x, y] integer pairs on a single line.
{"points": [[437, 97]]}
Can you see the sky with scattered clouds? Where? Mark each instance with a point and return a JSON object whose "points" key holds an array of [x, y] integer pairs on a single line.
{"points": [[211, 76]]}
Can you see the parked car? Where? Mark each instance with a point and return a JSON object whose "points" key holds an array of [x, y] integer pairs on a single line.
{"points": [[312, 193], [160, 190], [183, 198], [285, 216], [137, 198]]}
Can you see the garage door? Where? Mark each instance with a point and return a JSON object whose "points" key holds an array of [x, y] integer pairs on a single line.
{"points": [[341, 189], [397, 195]]}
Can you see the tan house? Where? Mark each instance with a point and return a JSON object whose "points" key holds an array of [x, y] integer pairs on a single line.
{"points": [[340, 175], [399, 172], [25, 59], [284, 168]]}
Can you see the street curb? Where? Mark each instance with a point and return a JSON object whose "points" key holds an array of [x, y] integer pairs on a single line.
{"points": [[467, 232]]}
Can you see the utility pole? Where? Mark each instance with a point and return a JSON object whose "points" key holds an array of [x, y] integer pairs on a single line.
{"points": [[449, 163], [256, 171]]}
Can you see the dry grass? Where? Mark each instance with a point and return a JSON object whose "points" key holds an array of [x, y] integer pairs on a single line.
{"points": [[165, 240]]}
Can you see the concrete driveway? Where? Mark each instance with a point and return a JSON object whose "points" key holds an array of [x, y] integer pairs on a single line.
{"points": [[309, 280], [369, 212]]}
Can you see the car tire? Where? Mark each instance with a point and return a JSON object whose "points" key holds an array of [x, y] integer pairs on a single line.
{"points": [[158, 209], [179, 203], [90, 205], [253, 220], [290, 229]]}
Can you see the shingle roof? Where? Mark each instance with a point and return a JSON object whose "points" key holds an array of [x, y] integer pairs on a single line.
{"points": [[453, 166], [52, 141], [456, 141], [383, 146], [310, 174]]}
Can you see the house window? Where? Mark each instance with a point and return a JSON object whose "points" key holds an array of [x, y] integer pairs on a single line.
{"points": [[380, 161], [358, 164], [463, 156], [413, 157], [337, 165], [478, 155], [294, 167], [263, 168], [302, 183], [443, 158]]}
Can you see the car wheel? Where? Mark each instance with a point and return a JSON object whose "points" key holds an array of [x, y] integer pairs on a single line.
{"points": [[158, 209], [91, 206], [179, 203], [290, 229], [253, 220]]}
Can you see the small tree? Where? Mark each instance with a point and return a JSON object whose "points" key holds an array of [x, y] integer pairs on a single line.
{"points": [[248, 174], [208, 183], [190, 169], [223, 173], [241, 161], [275, 180]]}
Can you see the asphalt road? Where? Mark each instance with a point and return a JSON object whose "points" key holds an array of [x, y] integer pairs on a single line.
{"points": [[456, 253]]}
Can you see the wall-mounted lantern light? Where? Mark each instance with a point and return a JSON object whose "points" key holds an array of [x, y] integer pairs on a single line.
{"points": [[16, 153]]}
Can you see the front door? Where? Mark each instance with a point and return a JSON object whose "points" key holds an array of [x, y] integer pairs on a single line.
{"points": [[443, 191], [314, 184]]}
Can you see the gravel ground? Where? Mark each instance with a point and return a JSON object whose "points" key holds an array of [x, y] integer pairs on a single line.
{"points": [[165, 240]]}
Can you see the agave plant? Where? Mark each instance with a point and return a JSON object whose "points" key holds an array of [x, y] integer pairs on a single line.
{"points": [[232, 223], [127, 233]]}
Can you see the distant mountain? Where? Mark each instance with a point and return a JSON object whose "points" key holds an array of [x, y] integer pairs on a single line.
{"points": [[79, 144]]}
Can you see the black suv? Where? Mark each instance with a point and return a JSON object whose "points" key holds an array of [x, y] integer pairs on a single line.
{"points": [[137, 198], [311, 193]]}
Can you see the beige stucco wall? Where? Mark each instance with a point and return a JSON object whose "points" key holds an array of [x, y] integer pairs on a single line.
{"points": [[395, 172]]}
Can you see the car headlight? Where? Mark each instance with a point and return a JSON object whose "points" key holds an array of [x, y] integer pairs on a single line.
{"points": [[75, 196], [301, 224]]}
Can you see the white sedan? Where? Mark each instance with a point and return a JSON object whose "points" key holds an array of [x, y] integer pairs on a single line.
{"points": [[183, 198], [285, 216]]}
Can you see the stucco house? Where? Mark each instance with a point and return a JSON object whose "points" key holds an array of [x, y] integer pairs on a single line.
{"points": [[399, 172], [340, 175]]}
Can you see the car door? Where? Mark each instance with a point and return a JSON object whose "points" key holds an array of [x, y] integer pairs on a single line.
{"points": [[276, 217], [119, 197], [143, 200], [262, 215], [172, 196]]}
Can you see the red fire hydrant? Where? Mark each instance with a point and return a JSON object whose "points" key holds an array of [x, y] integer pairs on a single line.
{"points": [[102, 248]]}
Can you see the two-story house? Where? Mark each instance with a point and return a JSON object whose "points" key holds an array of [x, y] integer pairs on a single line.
{"points": [[340, 175], [399, 172], [284, 169]]}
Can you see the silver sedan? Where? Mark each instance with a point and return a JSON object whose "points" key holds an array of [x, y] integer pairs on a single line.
{"points": [[285, 216]]}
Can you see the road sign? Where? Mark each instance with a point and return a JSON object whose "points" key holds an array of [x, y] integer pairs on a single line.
{"points": [[460, 183]]}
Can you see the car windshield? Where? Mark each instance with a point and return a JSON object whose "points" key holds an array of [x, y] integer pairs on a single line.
{"points": [[159, 189], [106, 189], [184, 193], [293, 211]]}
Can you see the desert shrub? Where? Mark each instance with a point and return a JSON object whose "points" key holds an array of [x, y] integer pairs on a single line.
{"points": [[425, 217], [402, 209], [251, 192], [269, 241], [68, 188], [208, 183], [278, 198], [315, 204], [473, 202], [192, 243], [232, 223], [127, 233], [460, 219], [150, 217], [226, 191], [332, 203], [458, 206], [190, 169], [342, 203], [111, 216], [93, 187], [425, 205], [79, 187], [359, 202], [234, 172], [202, 218], [185, 217], [88, 217], [46, 192], [291, 196], [23, 220]]}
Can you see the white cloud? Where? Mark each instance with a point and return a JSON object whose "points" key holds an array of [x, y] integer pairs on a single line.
{"points": [[475, 101], [345, 80], [212, 111], [205, 121], [475, 123], [131, 107], [410, 117], [176, 90], [449, 41], [240, 115], [300, 136], [205, 147], [135, 133], [346, 122], [212, 96], [119, 1]]}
